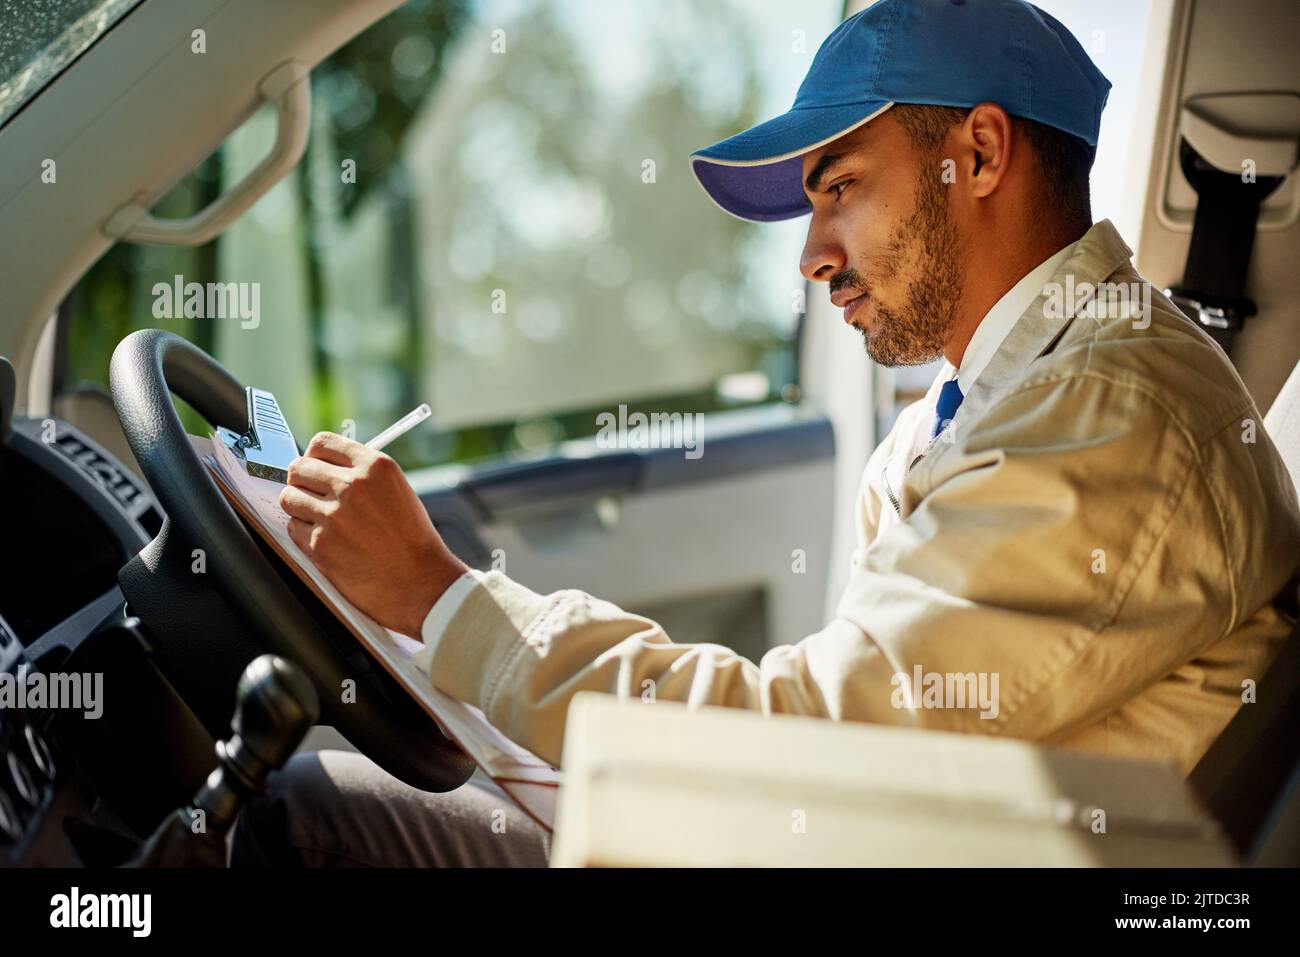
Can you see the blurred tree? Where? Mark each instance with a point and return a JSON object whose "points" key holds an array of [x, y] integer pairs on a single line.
{"points": [[476, 172]]}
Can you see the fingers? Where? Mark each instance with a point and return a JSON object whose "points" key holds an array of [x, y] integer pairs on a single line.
{"points": [[333, 448], [300, 532], [317, 475], [306, 505]]}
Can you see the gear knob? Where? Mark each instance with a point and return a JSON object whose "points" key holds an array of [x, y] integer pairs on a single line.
{"points": [[276, 705]]}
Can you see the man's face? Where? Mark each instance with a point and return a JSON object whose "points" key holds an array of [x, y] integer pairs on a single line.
{"points": [[881, 236]]}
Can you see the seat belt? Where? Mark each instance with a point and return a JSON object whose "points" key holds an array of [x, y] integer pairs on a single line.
{"points": [[1213, 289]]}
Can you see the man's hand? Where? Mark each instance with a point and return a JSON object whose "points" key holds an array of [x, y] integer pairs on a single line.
{"points": [[351, 509]]}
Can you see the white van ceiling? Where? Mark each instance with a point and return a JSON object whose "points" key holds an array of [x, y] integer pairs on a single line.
{"points": [[128, 119]]}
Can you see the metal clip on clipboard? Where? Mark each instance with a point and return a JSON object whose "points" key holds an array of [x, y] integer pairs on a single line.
{"points": [[267, 446]]}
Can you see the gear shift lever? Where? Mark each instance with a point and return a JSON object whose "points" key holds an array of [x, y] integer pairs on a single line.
{"points": [[276, 707]]}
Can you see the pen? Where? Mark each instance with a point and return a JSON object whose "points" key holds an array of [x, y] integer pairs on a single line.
{"points": [[400, 427]]}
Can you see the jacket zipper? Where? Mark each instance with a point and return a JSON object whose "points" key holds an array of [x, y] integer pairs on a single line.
{"points": [[890, 492]]}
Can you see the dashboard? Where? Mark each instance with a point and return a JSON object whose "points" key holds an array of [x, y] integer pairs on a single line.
{"points": [[72, 516]]}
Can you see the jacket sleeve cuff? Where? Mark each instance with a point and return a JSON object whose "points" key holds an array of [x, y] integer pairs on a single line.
{"points": [[495, 620], [440, 615]]}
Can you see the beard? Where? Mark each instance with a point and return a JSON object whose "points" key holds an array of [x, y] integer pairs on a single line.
{"points": [[914, 332]]}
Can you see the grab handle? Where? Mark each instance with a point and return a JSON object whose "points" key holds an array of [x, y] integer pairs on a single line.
{"points": [[286, 87]]}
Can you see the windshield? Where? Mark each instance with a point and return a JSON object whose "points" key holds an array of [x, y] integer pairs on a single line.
{"points": [[38, 38]]}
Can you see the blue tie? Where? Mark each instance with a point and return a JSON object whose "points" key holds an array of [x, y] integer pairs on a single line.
{"points": [[949, 400]]}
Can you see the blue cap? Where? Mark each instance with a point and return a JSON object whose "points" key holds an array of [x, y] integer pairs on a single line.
{"points": [[939, 52]]}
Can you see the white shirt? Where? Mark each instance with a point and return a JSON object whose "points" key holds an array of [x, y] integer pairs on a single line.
{"points": [[998, 321], [988, 336], [441, 614]]}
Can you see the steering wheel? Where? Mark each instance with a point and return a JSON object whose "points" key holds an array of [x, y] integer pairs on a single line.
{"points": [[208, 618]]}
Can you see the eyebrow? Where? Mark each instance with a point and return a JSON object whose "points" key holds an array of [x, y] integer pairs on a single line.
{"points": [[827, 162]]}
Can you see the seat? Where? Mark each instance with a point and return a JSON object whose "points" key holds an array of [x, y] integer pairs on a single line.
{"points": [[1283, 424], [1249, 778]]}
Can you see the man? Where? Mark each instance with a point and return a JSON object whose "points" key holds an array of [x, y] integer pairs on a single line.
{"points": [[1084, 507]]}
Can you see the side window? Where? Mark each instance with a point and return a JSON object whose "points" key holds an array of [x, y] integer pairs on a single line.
{"points": [[496, 216]]}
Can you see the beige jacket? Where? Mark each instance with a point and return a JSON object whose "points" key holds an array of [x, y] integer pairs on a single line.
{"points": [[1087, 557]]}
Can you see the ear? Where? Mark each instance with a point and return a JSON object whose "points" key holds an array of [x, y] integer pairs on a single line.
{"points": [[985, 143]]}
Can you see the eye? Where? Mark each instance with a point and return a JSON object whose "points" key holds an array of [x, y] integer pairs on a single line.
{"points": [[838, 187]]}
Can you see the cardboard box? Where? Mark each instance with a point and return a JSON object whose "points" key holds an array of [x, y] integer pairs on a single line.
{"points": [[663, 785]]}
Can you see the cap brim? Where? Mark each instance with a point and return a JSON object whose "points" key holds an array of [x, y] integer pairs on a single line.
{"points": [[758, 174]]}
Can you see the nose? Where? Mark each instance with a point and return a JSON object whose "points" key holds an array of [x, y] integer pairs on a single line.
{"points": [[822, 257]]}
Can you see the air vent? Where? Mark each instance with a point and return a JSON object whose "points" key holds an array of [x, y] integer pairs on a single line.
{"points": [[106, 473]]}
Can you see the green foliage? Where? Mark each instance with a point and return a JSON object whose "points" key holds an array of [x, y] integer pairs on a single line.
{"points": [[535, 134]]}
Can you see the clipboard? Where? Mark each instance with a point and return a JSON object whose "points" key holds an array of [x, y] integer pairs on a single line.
{"points": [[528, 780], [266, 446]]}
